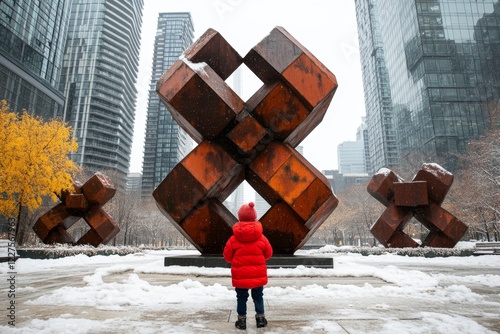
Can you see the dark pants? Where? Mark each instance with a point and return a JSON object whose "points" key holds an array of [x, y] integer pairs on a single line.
{"points": [[242, 297]]}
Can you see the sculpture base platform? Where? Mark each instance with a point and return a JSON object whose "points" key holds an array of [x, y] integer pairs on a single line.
{"points": [[277, 261]]}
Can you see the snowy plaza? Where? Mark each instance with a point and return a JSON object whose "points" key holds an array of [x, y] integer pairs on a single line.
{"points": [[136, 293]]}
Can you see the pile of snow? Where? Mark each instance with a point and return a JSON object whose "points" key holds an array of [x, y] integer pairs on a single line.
{"points": [[461, 250], [62, 250]]}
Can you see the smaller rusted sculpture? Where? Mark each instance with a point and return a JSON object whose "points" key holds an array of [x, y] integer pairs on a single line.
{"points": [[86, 202], [420, 198]]}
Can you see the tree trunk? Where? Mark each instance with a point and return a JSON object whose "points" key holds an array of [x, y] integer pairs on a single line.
{"points": [[125, 234], [18, 236]]}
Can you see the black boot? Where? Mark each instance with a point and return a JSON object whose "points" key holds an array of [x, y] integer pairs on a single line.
{"points": [[241, 323], [261, 320]]}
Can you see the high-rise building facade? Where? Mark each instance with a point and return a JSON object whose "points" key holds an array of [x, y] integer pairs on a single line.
{"points": [[99, 74], [382, 148], [351, 157], [32, 39], [362, 135], [442, 58], [134, 183], [165, 143]]}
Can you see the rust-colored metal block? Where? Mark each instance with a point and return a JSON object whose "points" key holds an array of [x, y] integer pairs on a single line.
{"points": [[253, 141], [435, 218], [50, 220], [208, 173], [76, 201], [315, 212], [278, 108], [285, 65], [381, 185], [99, 189], [401, 240], [247, 134], [198, 99], [392, 220], [420, 198], [410, 193], [211, 48], [285, 230], [103, 227], [178, 194], [77, 189], [209, 227], [281, 175], [439, 240], [280, 57], [439, 181], [263, 167], [85, 201], [58, 235], [214, 168], [291, 179]]}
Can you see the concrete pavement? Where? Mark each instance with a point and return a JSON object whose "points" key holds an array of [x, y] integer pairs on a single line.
{"points": [[337, 315]]}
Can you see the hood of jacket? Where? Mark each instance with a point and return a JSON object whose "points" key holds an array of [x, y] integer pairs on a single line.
{"points": [[247, 231]]}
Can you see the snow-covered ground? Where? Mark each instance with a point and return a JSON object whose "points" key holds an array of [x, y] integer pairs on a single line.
{"points": [[136, 293]]}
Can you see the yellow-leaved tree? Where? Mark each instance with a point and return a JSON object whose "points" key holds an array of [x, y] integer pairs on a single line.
{"points": [[34, 161]]}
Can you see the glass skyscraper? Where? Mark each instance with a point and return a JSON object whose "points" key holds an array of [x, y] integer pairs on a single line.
{"points": [[442, 58], [382, 150], [32, 38], [98, 79], [165, 143]]}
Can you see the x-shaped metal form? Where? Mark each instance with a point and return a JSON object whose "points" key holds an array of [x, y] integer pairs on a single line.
{"points": [[85, 202], [420, 198], [253, 141]]}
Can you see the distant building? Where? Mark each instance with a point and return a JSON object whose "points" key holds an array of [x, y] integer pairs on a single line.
{"points": [[339, 181], [362, 135], [165, 143], [261, 205], [235, 200], [330, 176], [134, 182], [238, 198], [99, 74], [351, 157], [32, 40], [300, 149]]}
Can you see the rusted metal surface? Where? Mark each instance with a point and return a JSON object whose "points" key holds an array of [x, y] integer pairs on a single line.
{"points": [[410, 193], [421, 198], [253, 140], [86, 202]]}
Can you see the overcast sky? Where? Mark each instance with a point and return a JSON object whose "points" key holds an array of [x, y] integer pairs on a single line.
{"points": [[327, 28]]}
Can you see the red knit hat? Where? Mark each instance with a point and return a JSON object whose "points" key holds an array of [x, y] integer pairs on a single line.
{"points": [[247, 213]]}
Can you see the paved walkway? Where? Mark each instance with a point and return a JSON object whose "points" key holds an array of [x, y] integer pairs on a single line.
{"points": [[354, 315]]}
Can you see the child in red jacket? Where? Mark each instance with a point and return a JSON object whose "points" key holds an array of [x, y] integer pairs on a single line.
{"points": [[248, 250]]}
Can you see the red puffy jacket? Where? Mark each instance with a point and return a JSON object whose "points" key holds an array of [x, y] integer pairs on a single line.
{"points": [[247, 250]]}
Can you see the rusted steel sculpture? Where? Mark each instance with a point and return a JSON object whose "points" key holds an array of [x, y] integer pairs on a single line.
{"points": [[251, 141], [420, 198], [85, 202]]}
